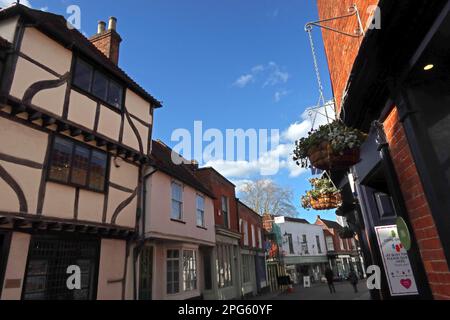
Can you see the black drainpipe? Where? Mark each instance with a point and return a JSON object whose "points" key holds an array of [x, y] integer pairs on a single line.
{"points": [[141, 238]]}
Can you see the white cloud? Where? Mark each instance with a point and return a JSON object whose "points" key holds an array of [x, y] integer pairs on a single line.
{"points": [[275, 75], [270, 74], [280, 95], [243, 80], [7, 3], [280, 158]]}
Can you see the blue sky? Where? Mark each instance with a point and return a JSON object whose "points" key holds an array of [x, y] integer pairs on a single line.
{"points": [[231, 64]]}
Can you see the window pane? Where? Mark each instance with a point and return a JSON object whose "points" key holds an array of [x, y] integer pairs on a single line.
{"points": [[176, 192], [100, 85], [115, 94], [83, 75], [60, 160], [98, 171], [80, 166], [200, 203], [176, 210]]}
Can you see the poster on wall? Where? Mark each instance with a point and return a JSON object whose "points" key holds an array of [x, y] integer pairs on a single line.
{"points": [[396, 262]]}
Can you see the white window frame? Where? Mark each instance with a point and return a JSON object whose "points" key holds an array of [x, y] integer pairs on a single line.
{"points": [[193, 283], [180, 279], [245, 231], [327, 243], [252, 227], [260, 244], [181, 202], [200, 210]]}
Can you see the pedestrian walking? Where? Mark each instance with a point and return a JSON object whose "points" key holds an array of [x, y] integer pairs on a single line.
{"points": [[329, 275], [353, 278]]}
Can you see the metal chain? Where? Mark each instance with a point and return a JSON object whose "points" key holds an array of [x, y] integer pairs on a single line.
{"points": [[321, 101]]}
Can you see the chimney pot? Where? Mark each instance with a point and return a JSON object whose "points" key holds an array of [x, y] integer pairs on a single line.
{"points": [[112, 25], [101, 27]]}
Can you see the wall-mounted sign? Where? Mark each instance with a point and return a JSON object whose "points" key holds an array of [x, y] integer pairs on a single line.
{"points": [[403, 233], [396, 262]]}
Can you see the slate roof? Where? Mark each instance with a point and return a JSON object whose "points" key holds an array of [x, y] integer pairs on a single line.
{"points": [[162, 160], [55, 26]]}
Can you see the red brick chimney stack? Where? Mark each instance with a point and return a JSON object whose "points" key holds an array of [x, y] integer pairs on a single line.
{"points": [[108, 41]]}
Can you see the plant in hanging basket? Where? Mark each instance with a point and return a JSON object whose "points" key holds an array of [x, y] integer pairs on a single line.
{"points": [[331, 147], [346, 233], [323, 196]]}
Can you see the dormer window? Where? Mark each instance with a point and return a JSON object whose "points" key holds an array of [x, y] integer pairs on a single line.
{"points": [[95, 82]]}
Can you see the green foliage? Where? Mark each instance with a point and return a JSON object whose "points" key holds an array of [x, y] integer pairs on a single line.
{"points": [[321, 186], [339, 136]]}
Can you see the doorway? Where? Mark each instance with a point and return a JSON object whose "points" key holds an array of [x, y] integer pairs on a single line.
{"points": [[146, 274]]}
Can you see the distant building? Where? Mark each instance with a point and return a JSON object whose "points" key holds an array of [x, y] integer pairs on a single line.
{"points": [[227, 253], [254, 276], [303, 248], [175, 260], [343, 254]]}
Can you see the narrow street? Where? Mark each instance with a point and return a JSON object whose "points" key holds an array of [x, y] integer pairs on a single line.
{"points": [[344, 291]]}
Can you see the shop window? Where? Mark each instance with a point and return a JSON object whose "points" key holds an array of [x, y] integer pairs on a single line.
{"points": [[190, 270], [173, 271], [48, 261]]}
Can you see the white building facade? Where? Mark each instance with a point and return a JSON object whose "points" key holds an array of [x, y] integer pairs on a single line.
{"points": [[304, 251]]}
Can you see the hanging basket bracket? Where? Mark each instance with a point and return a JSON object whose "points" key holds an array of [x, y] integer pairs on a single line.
{"points": [[353, 12]]}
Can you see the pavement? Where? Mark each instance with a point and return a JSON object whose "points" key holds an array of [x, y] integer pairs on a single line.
{"points": [[344, 291]]}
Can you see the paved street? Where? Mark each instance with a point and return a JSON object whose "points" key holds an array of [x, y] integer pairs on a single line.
{"points": [[344, 291]]}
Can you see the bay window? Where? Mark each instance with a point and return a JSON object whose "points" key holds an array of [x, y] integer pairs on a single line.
{"points": [[190, 270], [173, 271]]}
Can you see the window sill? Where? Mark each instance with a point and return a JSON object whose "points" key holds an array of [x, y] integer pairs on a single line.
{"points": [[178, 221], [203, 228]]}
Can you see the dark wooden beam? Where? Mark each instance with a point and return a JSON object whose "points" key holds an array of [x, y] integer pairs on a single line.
{"points": [[111, 147], [62, 127], [56, 226], [101, 143], [89, 137], [48, 121], [75, 132], [121, 151], [81, 229], [33, 116], [17, 109], [39, 225], [20, 223], [92, 230], [69, 227], [4, 220]]}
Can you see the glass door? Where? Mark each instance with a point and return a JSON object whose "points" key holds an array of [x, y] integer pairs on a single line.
{"points": [[146, 274]]}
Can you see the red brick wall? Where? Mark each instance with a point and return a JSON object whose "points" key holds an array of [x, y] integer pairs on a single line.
{"points": [[419, 212], [109, 44], [252, 218], [221, 187], [341, 50]]}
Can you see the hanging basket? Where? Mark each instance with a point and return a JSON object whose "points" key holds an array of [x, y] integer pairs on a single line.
{"points": [[326, 201], [323, 157]]}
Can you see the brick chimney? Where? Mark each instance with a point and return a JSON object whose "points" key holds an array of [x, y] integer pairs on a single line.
{"points": [[108, 41]]}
